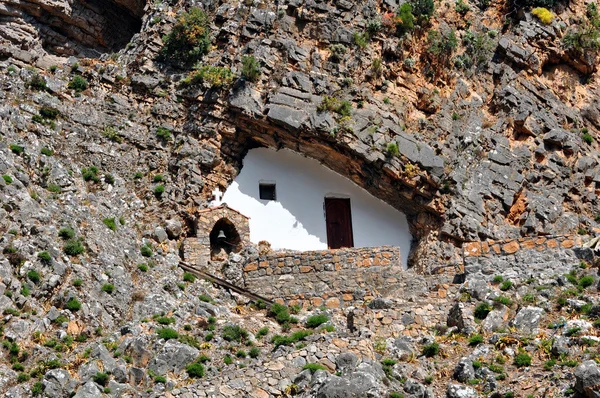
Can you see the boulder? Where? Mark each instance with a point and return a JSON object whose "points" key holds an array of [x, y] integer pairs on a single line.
{"points": [[587, 379], [528, 319], [459, 391], [464, 370]]}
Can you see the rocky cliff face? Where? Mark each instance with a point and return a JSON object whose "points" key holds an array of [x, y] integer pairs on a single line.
{"points": [[481, 123]]}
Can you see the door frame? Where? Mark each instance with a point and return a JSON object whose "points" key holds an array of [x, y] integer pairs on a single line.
{"points": [[349, 227]]}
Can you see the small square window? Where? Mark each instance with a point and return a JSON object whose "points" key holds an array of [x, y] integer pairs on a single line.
{"points": [[267, 191]]}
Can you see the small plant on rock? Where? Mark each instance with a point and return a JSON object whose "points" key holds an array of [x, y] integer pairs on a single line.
{"points": [[78, 84], [316, 320], [101, 378], [476, 339], [146, 250], [167, 333], [482, 310], [250, 68], [108, 288], [234, 333], [506, 285], [522, 359], [73, 247], [195, 370], [45, 257], [73, 304], [313, 367], [110, 223], [431, 350]]}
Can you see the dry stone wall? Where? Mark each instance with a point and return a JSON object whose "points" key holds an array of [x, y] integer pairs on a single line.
{"points": [[519, 259], [332, 278]]}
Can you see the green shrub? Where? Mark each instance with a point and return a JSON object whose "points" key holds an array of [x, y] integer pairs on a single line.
{"points": [[101, 378], [163, 320], [78, 84], [23, 378], [423, 9], [361, 39], [241, 354], [146, 250], [159, 190], [587, 138], [214, 76], [189, 277], [586, 281], [167, 333], [280, 313], [506, 285], [109, 179], [110, 223], [195, 370], [313, 367], [431, 350], [164, 134], [73, 304], [316, 320], [90, 174], [504, 300], [441, 46], [143, 267], [476, 339], [522, 359], [278, 340], [7, 179], [234, 333], [250, 68], [209, 336], [108, 288], [66, 233], [189, 39], [392, 149], [482, 310], [34, 276], [254, 352], [262, 332], [462, 8], [205, 298], [77, 282], [47, 151], [54, 188], [337, 52], [16, 149], [48, 112], [394, 394], [37, 388], [549, 364], [228, 359], [45, 257], [73, 247], [406, 20], [37, 82], [498, 279]]}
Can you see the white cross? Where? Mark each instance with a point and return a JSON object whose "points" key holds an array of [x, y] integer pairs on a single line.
{"points": [[216, 193]]}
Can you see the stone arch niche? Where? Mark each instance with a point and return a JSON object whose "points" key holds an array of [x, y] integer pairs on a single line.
{"points": [[206, 245], [224, 240]]}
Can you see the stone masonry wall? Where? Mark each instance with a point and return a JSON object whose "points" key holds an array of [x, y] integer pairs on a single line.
{"points": [[331, 277]]}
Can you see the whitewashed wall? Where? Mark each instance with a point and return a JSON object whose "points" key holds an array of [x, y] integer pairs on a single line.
{"points": [[297, 220]]}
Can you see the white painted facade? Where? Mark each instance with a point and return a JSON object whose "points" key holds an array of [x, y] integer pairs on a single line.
{"points": [[296, 219]]}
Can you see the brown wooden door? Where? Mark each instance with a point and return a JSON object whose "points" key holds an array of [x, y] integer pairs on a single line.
{"points": [[339, 223]]}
